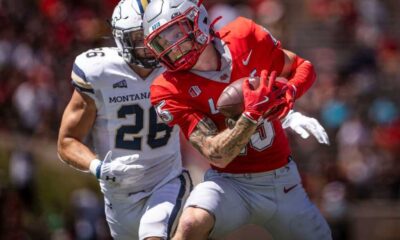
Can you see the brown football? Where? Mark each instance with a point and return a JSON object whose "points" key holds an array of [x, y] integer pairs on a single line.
{"points": [[230, 102]]}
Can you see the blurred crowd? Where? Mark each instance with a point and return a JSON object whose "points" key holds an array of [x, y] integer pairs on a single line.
{"points": [[354, 45]]}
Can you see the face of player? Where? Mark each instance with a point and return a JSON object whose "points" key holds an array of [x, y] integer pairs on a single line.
{"points": [[175, 39], [137, 43]]}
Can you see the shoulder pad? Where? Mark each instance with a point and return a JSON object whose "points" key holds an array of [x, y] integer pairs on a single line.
{"points": [[89, 65], [244, 24]]}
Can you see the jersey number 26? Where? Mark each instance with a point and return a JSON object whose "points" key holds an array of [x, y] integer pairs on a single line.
{"points": [[135, 142]]}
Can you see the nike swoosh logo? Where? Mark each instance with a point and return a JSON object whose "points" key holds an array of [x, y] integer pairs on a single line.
{"points": [[266, 99], [286, 190], [247, 60]]}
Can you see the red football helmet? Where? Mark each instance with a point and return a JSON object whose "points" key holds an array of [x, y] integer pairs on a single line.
{"points": [[177, 31]]}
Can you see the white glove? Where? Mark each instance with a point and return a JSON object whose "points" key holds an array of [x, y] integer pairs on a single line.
{"points": [[121, 170], [304, 125]]}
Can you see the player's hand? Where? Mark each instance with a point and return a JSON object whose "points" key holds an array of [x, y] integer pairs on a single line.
{"points": [[289, 94], [121, 170], [304, 125], [261, 100]]}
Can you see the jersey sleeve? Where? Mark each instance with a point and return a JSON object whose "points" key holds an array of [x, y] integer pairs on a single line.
{"points": [[270, 46], [79, 80], [173, 111], [85, 71]]}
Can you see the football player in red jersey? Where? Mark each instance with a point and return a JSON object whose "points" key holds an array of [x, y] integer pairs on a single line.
{"points": [[253, 178]]}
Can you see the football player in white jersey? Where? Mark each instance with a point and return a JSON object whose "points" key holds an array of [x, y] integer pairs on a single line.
{"points": [[135, 156], [140, 174]]}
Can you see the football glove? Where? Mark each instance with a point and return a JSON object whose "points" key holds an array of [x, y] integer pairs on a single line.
{"points": [[304, 125], [261, 100], [121, 170], [289, 94]]}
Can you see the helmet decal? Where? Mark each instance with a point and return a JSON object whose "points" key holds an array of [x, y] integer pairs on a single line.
{"points": [[142, 5], [155, 26]]}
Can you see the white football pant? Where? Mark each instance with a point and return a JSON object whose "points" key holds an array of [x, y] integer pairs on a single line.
{"points": [[152, 214], [274, 200]]}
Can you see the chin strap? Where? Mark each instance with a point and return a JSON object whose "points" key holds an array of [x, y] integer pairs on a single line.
{"points": [[215, 21], [212, 32]]}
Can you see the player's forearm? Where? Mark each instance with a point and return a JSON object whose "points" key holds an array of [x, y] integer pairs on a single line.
{"points": [[220, 149], [303, 75], [75, 153]]}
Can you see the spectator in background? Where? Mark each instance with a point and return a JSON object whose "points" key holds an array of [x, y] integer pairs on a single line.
{"points": [[88, 215], [22, 176]]}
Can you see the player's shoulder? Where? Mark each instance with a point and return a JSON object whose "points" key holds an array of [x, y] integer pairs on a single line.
{"points": [[89, 65], [98, 55], [94, 61], [241, 26], [164, 86], [167, 79], [97, 59], [245, 32]]}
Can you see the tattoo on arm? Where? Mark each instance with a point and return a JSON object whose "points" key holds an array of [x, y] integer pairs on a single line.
{"points": [[221, 148], [204, 129], [208, 127]]}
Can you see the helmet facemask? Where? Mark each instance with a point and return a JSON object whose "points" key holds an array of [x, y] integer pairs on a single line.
{"points": [[131, 45], [179, 43], [127, 29]]}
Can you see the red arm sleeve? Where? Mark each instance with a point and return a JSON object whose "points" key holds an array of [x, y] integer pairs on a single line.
{"points": [[303, 76]]}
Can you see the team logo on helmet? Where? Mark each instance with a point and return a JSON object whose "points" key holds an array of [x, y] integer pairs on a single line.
{"points": [[155, 26]]}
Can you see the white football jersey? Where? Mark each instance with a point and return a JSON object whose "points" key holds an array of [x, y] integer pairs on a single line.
{"points": [[126, 123]]}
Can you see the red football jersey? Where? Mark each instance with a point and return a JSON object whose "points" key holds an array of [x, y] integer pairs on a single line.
{"points": [[186, 97]]}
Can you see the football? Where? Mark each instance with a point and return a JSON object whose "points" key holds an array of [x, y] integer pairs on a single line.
{"points": [[230, 102]]}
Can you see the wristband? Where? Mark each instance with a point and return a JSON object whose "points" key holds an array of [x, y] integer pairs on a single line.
{"points": [[94, 167], [294, 89], [287, 117]]}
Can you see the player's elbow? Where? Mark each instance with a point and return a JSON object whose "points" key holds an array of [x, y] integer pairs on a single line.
{"points": [[218, 155], [61, 158], [214, 151], [220, 164], [311, 69], [218, 160], [62, 146]]}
